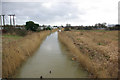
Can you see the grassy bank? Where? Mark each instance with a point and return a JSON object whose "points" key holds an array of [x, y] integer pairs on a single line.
{"points": [[17, 49], [97, 51]]}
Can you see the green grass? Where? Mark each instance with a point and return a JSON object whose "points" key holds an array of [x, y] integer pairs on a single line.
{"points": [[12, 36]]}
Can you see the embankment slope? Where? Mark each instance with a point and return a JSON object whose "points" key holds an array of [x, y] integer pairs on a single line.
{"points": [[97, 51], [15, 52]]}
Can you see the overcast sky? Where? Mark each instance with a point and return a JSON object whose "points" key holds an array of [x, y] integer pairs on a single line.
{"points": [[60, 12]]}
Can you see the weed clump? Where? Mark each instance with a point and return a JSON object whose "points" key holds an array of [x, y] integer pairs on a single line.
{"points": [[14, 31], [22, 32]]}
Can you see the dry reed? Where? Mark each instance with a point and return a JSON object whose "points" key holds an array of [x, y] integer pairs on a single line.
{"points": [[93, 67], [14, 53]]}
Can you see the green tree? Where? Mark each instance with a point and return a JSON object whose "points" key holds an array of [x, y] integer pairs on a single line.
{"points": [[48, 28], [35, 27], [30, 25]]}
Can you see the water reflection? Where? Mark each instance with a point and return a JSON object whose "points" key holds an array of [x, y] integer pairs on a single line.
{"points": [[51, 56]]}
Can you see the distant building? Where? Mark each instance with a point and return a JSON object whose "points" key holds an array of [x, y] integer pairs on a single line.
{"points": [[41, 28], [68, 25], [111, 25], [101, 28]]}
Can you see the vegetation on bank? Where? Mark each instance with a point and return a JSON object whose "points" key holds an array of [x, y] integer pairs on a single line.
{"points": [[24, 30], [18, 50], [96, 50], [30, 25], [99, 26], [14, 33], [12, 36], [18, 43]]}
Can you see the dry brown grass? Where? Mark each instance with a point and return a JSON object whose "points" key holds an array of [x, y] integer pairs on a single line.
{"points": [[17, 51], [97, 51]]}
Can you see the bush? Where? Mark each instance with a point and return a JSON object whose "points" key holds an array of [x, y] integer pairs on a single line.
{"points": [[67, 29], [21, 32], [30, 25], [15, 31], [38, 30], [48, 28]]}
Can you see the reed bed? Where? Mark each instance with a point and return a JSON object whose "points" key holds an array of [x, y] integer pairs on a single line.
{"points": [[16, 52], [101, 60]]}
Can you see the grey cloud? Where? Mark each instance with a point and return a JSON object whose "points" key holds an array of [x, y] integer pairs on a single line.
{"points": [[36, 12], [119, 12]]}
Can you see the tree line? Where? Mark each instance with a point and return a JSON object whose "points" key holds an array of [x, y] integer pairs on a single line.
{"points": [[95, 27], [23, 30]]}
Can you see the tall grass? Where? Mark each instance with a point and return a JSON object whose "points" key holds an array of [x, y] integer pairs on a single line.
{"points": [[18, 51], [84, 60]]}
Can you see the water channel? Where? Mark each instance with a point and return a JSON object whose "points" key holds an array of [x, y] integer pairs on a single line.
{"points": [[51, 56]]}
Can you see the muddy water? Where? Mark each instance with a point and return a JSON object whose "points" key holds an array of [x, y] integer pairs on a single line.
{"points": [[51, 56]]}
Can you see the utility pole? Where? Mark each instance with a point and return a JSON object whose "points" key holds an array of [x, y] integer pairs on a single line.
{"points": [[10, 19], [0, 20], [3, 20], [13, 20], [12, 15]]}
